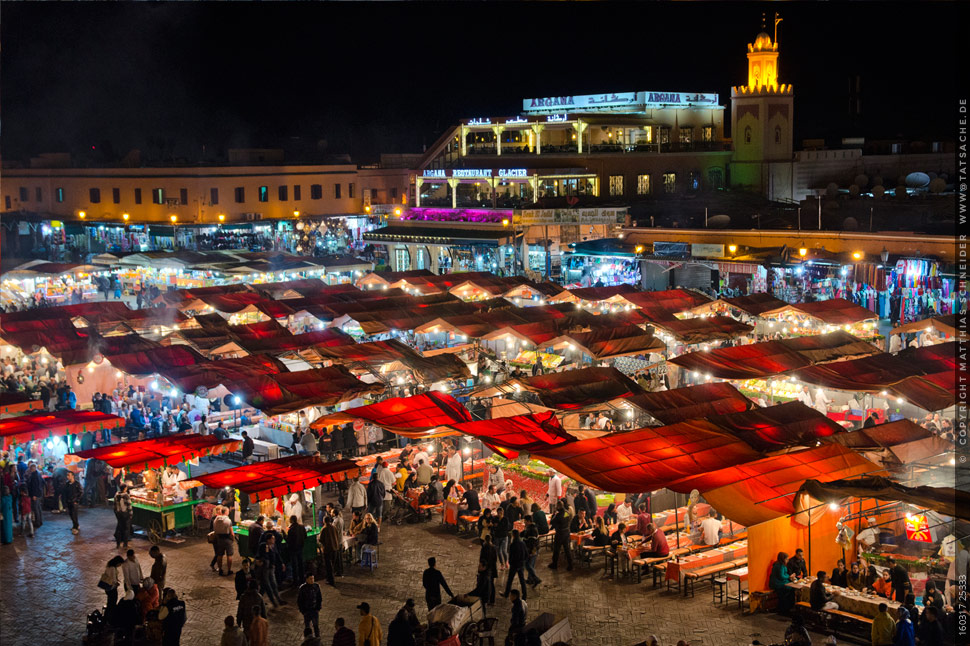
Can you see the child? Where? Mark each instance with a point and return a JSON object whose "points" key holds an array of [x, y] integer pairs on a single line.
{"points": [[26, 525]]}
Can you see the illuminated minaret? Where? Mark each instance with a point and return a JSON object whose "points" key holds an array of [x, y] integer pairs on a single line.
{"points": [[761, 116]]}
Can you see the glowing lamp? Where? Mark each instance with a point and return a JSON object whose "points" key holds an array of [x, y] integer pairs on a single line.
{"points": [[174, 218], [236, 400], [397, 211], [732, 248], [82, 214], [803, 252], [125, 216], [833, 506], [222, 217], [857, 255]]}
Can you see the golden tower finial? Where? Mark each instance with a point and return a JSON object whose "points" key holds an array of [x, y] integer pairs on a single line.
{"points": [[778, 19]]}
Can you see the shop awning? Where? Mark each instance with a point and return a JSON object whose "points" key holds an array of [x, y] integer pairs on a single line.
{"points": [[441, 236], [14, 402], [925, 376], [895, 444], [403, 415], [160, 360], [778, 427], [754, 492], [943, 500], [292, 391], [327, 338], [509, 435], [613, 293], [671, 300], [258, 331], [703, 330], [159, 452], [704, 400], [752, 304], [380, 353], [604, 343], [276, 478], [835, 311], [575, 389], [40, 426], [760, 360], [211, 374], [946, 324]]}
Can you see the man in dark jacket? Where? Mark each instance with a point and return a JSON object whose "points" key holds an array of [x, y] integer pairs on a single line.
{"points": [[255, 534], [295, 540], [518, 555], [519, 613], [900, 579], [247, 447], [35, 488], [331, 543], [484, 588], [250, 598], [399, 631], [560, 524], [433, 580], [72, 499], [930, 632], [309, 600]]}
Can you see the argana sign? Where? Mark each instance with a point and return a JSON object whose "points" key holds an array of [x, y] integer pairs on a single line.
{"points": [[616, 101]]}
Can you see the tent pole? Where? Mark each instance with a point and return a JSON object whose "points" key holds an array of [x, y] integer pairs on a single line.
{"points": [[809, 543], [676, 519]]}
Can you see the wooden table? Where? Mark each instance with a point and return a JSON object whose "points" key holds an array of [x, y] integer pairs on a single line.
{"points": [[740, 575], [679, 567], [853, 601]]}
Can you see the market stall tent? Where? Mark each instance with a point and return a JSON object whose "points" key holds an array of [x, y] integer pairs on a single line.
{"points": [[40, 426], [403, 415], [275, 478], [835, 311], [14, 402], [158, 452], [703, 400], [947, 324]]}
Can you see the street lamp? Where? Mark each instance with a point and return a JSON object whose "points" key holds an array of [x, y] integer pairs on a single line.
{"points": [[82, 214], [125, 216], [222, 217], [296, 214]]}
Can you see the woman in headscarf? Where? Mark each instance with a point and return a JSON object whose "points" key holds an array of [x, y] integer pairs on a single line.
{"points": [[905, 632]]}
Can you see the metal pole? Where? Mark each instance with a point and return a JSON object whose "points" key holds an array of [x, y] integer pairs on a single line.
{"points": [[799, 218], [870, 219], [705, 217], [676, 520], [820, 211]]}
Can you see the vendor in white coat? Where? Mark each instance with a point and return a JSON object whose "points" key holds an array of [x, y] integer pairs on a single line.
{"points": [[453, 467], [822, 402], [805, 397]]}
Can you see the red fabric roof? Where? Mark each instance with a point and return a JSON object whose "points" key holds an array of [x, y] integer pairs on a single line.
{"points": [[755, 304], [160, 360], [704, 329], [575, 389], [160, 451], [777, 427], [835, 311], [262, 330], [773, 357], [327, 338], [704, 400], [605, 342], [766, 479], [509, 435], [39, 426], [671, 300], [276, 478], [291, 391], [437, 368], [596, 294], [225, 371], [417, 413], [925, 376]]}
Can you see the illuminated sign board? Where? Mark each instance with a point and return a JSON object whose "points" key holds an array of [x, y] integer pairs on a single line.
{"points": [[616, 102], [513, 172], [516, 120], [471, 172], [557, 117], [434, 173], [479, 122]]}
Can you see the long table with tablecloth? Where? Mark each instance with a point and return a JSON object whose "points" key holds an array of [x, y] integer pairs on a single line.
{"points": [[677, 568], [853, 601]]}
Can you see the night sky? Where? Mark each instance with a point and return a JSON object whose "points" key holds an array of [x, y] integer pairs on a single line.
{"points": [[170, 78]]}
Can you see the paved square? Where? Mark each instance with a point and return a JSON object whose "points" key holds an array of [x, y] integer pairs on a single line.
{"points": [[49, 585]]}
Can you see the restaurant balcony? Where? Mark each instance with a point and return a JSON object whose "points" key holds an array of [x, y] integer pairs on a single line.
{"points": [[510, 149]]}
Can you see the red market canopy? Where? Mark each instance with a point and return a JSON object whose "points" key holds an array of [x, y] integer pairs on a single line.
{"points": [[925, 376], [509, 435], [774, 357], [895, 444], [404, 415], [379, 353], [752, 304], [275, 478], [40, 426], [835, 311], [223, 372], [597, 294], [671, 301], [16, 402], [261, 330], [286, 392], [947, 324], [607, 342], [703, 329], [778, 427], [943, 500], [328, 338], [576, 389], [754, 492], [162, 360], [160, 451], [704, 400]]}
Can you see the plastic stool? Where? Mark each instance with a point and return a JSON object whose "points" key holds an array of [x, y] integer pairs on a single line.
{"points": [[368, 557]]}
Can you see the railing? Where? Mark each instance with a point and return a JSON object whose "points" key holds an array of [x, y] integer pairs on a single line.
{"points": [[573, 149]]}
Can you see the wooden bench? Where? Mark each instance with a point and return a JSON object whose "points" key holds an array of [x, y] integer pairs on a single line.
{"points": [[691, 577], [587, 552], [652, 562], [849, 626], [468, 523], [764, 600], [427, 510]]}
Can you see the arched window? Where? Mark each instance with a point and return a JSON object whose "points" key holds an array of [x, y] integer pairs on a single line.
{"points": [[747, 135], [777, 134]]}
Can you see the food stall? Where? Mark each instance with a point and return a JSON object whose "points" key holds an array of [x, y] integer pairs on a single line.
{"points": [[157, 508], [275, 478], [51, 426], [15, 402]]}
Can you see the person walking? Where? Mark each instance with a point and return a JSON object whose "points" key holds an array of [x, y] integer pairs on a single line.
{"points": [[122, 505], [258, 631], [243, 576], [357, 496], [369, 628], [233, 634], [6, 514], [267, 560], [172, 614], [309, 600], [560, 524], [109, 582], [518, 555], [224, 540], [159, 566], [295, 540], [489, 556], [35, 487], [330, 541], [342, 636], [530, 536], [520, 611], [250, 605], [433, 580]]}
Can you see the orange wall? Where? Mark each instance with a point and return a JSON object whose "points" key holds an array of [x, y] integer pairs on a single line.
{"points": [[766, 539]]}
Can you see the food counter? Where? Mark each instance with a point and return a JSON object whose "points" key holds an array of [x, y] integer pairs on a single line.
{"points": [[309, 547]]}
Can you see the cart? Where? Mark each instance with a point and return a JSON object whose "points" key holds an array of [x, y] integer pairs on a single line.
{"points": [[156, 521]]}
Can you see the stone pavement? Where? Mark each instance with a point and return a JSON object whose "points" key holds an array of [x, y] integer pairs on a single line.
{"points": [[49, 584]]}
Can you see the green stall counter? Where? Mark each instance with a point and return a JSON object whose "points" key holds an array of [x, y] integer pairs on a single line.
{"points": [[157, 520], [309, 547]]}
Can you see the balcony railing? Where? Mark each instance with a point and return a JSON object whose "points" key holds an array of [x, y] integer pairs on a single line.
{"points": [[572, 149]]}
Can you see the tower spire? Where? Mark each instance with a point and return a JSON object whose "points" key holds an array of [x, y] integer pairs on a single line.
{"points": [[778, 19]]}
